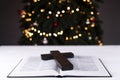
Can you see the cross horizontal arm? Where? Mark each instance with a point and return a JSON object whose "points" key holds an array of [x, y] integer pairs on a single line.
{"points": [[49, 56]]}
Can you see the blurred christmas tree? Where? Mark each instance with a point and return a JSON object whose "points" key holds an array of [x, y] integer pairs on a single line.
{"points": [[60, 22]]}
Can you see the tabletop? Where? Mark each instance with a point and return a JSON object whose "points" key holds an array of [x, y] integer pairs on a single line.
{"points": [[10, 55]]}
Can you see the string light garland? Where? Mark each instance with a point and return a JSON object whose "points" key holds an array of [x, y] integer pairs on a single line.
{"points": [[59, 14]]}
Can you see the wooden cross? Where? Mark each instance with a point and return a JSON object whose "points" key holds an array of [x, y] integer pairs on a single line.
{"points": [[60, 58]]}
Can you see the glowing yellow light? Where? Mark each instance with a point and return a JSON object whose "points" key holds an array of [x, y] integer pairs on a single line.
{"points": [[23, 12], [35, 30], [57, 15], [41, 34], [92, 18], [49, 3], [84, 0], [67, 38], [90, 3], [48, 17], [23, 16], [35, 1], [77, 9], [26, 30], [63, 11], [86, 28], [93, 25], [80, 35], [58, 12], [88, 21], [72, 11], [55, 34], [27, 35], [76, 36], [72, 28], [32, 28], [50, 34], [28, 19], [29, 14], [44, 33], [61, 32], [58, 33], [61, 15], [99, 41], [50, 12], [38, 31], [68, 8], [60, 1], [33, 12], [30, 39], [88, 0], [91, 12], [100, 44], [30, 34], [42, 10]]}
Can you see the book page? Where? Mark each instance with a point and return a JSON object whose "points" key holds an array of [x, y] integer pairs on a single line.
{"points": [[34, 66], [85, 66]]}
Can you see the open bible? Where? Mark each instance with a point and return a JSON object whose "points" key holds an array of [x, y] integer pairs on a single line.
{"points": [[84, 66]]}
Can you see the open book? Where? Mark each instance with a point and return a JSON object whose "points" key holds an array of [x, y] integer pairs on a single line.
{"points": [[84, 66]]}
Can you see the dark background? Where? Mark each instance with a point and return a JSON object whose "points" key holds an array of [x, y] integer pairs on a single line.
{"points": [[9, 21]]}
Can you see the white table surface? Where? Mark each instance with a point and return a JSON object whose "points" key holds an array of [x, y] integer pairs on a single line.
{"points": [[10, 55]]}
